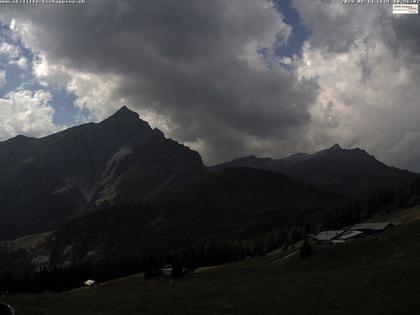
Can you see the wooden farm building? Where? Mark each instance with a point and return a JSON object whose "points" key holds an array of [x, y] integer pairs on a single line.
{"points": [[371, 227]]}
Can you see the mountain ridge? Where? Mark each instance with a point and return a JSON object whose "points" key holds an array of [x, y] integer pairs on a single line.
{"points": [[122, 160], [44, 181], [119, 187], [345, 171]]}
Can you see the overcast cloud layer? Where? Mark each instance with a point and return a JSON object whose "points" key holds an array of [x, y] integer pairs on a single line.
{"points": [[207, 73]]}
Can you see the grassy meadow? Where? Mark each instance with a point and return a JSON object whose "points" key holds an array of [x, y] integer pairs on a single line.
{"points": [[374, 275]]}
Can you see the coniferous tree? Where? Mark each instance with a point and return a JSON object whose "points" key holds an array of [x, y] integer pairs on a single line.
{"points": [[151, 268], [176, 268], [305, 250]]}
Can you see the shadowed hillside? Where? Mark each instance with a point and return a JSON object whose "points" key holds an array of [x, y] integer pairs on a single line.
{"points": [[44, 182], [358, 278], [235, 205]]}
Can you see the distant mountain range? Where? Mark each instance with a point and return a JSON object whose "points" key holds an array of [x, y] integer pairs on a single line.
{"points": [[119, 187], [335, 169]]}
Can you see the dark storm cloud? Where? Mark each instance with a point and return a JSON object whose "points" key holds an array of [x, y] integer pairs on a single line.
{"points": [[193, 61]]}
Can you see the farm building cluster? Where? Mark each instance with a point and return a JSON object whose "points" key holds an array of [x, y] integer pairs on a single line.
{"points": [[327, 238]]}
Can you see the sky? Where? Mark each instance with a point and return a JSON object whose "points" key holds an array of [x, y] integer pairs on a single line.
{"points": [[228, 78]]}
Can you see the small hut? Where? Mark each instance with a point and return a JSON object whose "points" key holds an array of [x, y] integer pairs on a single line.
{"points": [[91, 283], [371, 227], [325, 238], [167, 270]]}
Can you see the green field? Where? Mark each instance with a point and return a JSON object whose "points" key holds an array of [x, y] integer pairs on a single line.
{"points": [[404, 216], [374, 275]]}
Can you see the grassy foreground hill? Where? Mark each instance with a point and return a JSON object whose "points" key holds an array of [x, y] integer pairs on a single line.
{"points": [[373, 275]]}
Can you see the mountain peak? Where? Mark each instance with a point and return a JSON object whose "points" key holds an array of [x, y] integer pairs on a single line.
{"points": [[125, 113], [335, 147], [125, 117]]}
